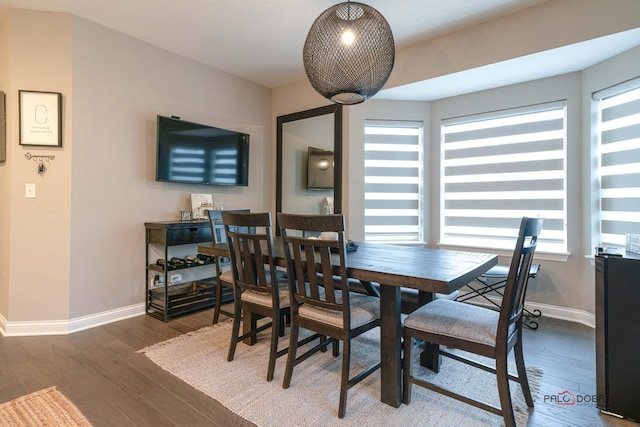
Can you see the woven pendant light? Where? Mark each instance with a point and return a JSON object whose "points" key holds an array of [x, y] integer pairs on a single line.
{"points": [[349, 53]]}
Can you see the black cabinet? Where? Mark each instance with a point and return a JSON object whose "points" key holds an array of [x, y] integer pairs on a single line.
{"points": [[174, 289], [618, 335]]}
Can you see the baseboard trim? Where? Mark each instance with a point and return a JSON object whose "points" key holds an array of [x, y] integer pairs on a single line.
{"points": [[553, 311], [65, 327]]}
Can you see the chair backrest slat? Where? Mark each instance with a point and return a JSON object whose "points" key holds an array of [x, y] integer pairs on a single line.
{"points": [[518, 278], [250, 242], [313, 282], [261, 272]]}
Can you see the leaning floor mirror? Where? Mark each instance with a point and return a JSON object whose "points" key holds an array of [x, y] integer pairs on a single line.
{"points": [[309, 161]]}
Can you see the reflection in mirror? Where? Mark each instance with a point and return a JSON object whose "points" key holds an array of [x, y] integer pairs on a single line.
{"points": [[320, 169], [304, 185], [309, 163]]}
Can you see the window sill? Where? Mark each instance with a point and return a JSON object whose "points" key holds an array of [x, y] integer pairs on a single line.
{"points": [[400, 243], [544, 256]]}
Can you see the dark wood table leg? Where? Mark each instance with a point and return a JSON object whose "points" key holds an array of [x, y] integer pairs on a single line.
{"points": [[424, 297], [430, 357], [390, 346]]}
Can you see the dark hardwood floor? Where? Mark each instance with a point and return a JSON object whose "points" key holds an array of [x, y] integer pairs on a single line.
{"points": [[100, 371], [566, 353]]}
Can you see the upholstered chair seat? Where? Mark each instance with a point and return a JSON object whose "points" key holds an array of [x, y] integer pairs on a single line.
{"points": [[455, 319], [364, 309], [265, 299]]}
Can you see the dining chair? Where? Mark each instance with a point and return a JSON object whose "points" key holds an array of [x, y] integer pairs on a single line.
{"points": [[259, 289], [224, 277], [479, 330], [321, 305]]}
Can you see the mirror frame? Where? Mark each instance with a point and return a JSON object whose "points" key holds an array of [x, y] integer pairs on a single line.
{"points": [[336, 110]]}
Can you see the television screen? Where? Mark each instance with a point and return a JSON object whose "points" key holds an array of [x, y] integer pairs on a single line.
{"points": [[319, 169], [200, 154]]}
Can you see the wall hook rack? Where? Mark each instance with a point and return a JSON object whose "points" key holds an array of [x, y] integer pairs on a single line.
{"points": [[40, 160]]}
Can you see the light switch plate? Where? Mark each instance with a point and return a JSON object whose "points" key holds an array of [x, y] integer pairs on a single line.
{"points": [[30, 191]]}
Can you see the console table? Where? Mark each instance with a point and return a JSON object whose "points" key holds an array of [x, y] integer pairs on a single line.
{"points": [[171, 290]]}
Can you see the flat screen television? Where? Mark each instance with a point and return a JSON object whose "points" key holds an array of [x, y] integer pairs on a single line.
{"points": [[194, 153], [319, 169]]}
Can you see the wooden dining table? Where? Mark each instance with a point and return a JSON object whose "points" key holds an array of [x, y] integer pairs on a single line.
{"points": [[428, 270]]}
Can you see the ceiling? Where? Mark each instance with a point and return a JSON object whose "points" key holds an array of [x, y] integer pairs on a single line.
{"points": [[262, 40]]}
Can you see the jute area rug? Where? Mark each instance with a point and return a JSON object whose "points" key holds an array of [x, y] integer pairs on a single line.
{"points": [[47, 407], [199, 358]]}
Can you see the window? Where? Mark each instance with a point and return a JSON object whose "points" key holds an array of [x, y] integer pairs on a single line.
{"points": [[498, 167], [393, 181], [618, 162]]}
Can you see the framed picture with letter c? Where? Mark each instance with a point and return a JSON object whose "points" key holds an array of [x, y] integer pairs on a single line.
{"points": [[40, 118]]}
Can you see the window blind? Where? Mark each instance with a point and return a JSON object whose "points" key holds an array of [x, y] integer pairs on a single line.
{"points": [[393, 181], [619, 162], [497, 167]]}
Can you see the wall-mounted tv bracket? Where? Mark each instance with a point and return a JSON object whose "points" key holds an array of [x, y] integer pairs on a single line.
{"points": [[40, 160]]}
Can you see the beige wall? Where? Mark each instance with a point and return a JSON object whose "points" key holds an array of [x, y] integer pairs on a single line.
{"points": [[5, 171], [120, 85], [77, 250], [543, 27], [39, 59]]}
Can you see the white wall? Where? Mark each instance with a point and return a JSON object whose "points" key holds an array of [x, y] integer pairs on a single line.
{"points": [[618, 69], [564, 288], [601, 76], [553, 285], [380, 110], [563, 283]]}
